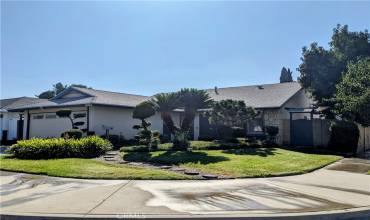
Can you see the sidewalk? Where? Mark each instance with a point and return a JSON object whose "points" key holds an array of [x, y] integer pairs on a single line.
{"points": [[326, 191]]}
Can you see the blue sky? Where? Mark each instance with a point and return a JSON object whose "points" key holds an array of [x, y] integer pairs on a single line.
{"points": [[150, 47]]}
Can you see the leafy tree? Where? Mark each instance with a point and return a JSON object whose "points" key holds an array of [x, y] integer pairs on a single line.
{"points": [[143, 111], [321, 70], [46, 94], [57, 88], [286, 75], [230, 113], [348, 46], [353, 93]]}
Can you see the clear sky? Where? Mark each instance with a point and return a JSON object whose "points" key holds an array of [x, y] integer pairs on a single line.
{"points": [[150, 47]]}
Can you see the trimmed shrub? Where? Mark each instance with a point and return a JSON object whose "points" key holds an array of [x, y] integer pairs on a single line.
{"points": [[238, 132], [344, 137], [116, 140], [37, 148], [225, 132], [272, 131], [206, 138], [72, 133], [198, 145]]}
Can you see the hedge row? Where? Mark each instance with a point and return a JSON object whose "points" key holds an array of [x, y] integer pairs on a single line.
{"points": [[38, 148], [198, 145]]}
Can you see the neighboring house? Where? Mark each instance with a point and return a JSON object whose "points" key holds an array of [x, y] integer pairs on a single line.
{"points": [[11, 123], [103, 110], [272, 101]]}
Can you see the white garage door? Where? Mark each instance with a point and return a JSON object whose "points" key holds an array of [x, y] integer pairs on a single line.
{"points": [[46, 125]]}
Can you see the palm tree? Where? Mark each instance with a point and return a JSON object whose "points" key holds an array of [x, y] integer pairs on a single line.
{"points": [[165, 103], [191, 100]]}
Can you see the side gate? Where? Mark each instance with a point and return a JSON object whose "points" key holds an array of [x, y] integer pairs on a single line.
{"points": [[301, 132]]}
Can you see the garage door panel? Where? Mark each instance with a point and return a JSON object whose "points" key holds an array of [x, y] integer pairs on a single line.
{"points": [[44, 126]]}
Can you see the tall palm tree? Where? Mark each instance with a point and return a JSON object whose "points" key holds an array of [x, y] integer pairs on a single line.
{"points": [[165, 103], [191, 100]]}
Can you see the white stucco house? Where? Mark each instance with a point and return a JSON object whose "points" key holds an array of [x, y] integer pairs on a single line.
{"points": [[11, 123], [102, 110]]}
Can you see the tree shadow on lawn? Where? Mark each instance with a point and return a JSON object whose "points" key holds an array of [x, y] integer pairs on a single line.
{"points": [[174, 157], [263, 152]]}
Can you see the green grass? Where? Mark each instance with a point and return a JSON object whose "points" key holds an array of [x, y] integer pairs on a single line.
{"points": [[84, 168], [240, 163]]}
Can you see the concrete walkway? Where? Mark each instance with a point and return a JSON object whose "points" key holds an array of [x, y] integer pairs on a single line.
{"points": [[327, 191]]}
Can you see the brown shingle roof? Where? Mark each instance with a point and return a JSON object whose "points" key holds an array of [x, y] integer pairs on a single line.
{"points": [[258, 96], [12, 103], [261, 96]]}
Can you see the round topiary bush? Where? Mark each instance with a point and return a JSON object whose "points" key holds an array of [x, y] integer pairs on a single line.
{"points": [[344, 137], [272, 131], [38, 148]]}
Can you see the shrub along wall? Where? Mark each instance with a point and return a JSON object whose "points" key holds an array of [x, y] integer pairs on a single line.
{"points": [[38, 148], [344, 136]]}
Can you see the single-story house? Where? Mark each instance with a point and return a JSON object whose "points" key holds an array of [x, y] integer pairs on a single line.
{"points": [[104, 111], [273, 102], [11, 123]]}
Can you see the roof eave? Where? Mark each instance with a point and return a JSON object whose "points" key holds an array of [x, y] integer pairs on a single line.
{"points": [[288, 99], [44, 107]]}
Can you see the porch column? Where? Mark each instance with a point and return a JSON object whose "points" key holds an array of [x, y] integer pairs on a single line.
{"points": [[196, 127]]}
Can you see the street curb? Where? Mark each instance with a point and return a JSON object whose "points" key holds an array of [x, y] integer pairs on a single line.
{"points": [[354, 213]]}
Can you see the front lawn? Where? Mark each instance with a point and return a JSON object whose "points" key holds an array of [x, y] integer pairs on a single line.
{"points": [[84, 168], [239, 163]]}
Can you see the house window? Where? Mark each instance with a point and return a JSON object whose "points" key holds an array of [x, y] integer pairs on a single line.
{"points": [[38, 116], [79, 115], [50, 116]]}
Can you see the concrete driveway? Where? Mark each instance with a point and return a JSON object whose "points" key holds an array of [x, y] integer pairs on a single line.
{"points": [[327, 191]]}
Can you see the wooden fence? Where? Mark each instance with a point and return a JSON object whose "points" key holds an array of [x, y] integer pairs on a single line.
{"points": [[321, 134], [364, 140]]}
